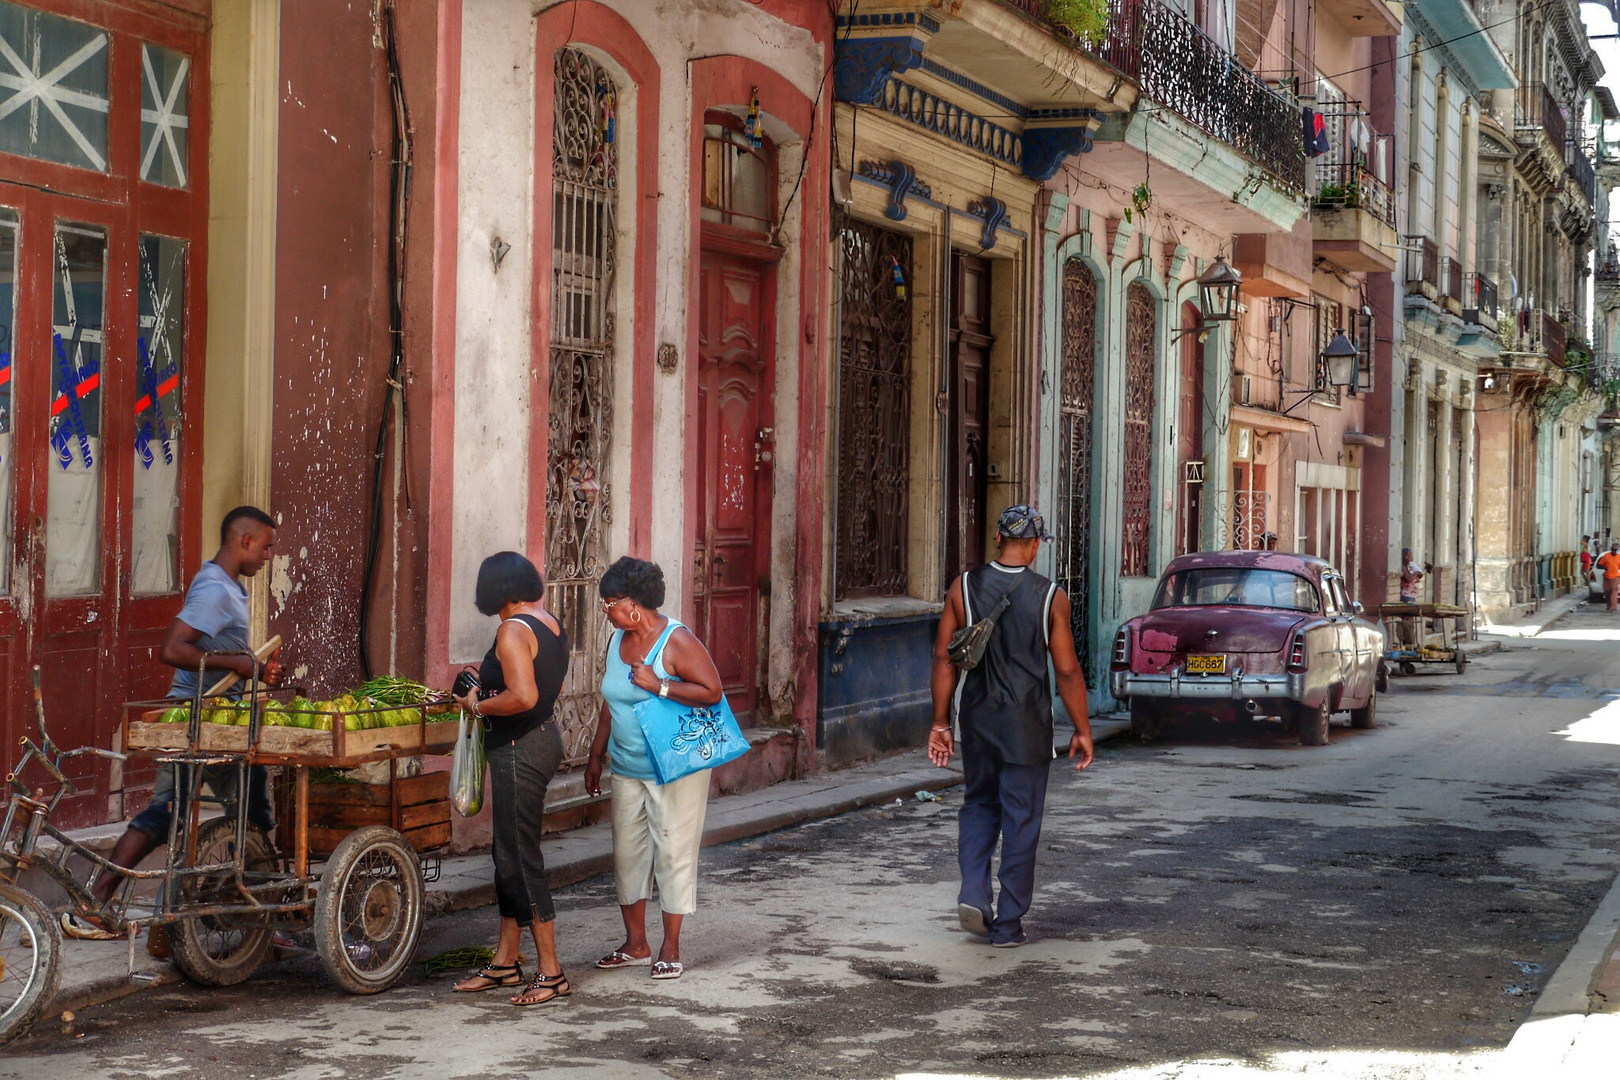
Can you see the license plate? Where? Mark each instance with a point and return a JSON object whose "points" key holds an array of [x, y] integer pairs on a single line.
{"points": [[1206, 665]]}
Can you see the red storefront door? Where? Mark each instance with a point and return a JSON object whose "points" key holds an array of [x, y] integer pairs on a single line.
{"points": [[101, 219]]}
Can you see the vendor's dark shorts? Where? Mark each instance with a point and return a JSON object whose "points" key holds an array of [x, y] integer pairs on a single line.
{"points": [[221, 779]]}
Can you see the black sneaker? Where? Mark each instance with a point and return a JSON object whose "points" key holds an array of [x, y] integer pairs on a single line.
{"points": [[975, 920], [1013, 942]]}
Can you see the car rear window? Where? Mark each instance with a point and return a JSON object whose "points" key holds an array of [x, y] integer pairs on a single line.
{"points": [[1239, 585]]}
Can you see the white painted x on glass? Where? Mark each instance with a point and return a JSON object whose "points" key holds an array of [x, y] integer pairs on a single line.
{"points": [[164, 122], [72, 91]]}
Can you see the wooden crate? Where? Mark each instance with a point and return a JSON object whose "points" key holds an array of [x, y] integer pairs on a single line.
{"points": [[336, 810], [302, 745]]}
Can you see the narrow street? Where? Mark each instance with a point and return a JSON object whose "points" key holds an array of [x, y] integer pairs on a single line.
{"points": [[1389, 905]]}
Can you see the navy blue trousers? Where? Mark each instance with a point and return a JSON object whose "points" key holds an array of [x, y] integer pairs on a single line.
{"points": [[1000, 802]]}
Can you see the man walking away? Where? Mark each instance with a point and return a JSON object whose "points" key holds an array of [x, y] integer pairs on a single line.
{"points": [[1609, 563], [1003, 709]]}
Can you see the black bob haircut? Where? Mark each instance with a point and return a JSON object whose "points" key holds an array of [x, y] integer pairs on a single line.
{"points": [[640, 580], [243, 513], [507, 577]]}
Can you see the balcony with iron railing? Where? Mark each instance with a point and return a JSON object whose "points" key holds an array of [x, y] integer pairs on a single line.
{"points": [[1353, 217], [1480, 302], [1422, 266], [1451, 279], [1538, 116], [1583, 172], [1553, 338]]}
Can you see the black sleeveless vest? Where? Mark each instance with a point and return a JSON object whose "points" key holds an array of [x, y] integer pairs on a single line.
{"points": [[1004, 705]]}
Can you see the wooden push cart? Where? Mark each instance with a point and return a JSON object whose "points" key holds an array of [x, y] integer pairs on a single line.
{"points": [[1408, 645], [347, 863]]}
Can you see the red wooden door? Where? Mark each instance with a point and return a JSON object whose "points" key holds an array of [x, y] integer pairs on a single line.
{"points": [[732, 551], [970, 414], [101, 219]]}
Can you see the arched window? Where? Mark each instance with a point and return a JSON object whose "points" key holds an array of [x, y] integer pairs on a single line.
{"points": [[739, 178], [1141, 331], [1077, 387], [584, 241]]}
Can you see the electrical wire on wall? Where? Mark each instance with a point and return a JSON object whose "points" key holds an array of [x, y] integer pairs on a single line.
{"points": [[399, 189]]}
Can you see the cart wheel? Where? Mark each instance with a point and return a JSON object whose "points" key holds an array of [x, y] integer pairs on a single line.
{"points": [[1408, 668], [368, 910], [1462, 662], [219, 950], [30, 961]]}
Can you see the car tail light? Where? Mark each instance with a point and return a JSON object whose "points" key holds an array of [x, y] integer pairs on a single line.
{"points": [[1122, 648], [1296, 652]]}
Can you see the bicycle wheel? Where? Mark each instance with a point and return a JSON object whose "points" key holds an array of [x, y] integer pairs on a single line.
{"points": [[30, 961], [219, 950], [368, 910]]}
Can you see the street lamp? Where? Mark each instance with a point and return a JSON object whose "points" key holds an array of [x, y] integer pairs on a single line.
{"points": [[1218, 291], [1340, 358]]}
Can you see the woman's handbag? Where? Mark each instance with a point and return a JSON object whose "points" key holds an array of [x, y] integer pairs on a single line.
{"points": [[467, 767], [684, 739]]}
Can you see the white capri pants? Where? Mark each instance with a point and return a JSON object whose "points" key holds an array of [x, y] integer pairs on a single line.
{"points": [[657, 831]]}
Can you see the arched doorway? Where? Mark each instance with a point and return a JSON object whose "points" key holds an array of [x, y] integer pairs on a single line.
{"points": [[1077, 386]]}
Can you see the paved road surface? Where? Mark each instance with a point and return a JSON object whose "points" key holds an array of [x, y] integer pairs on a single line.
{"points": [[1385, 906]]}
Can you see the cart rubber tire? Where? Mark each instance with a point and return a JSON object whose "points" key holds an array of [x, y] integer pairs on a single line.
{"points": [[29, 974], [1366, 716], [202, 948], [1381, 682], [1462, 662], [1146, 723], [1313, 724], [1408, 668], [368, 910]]}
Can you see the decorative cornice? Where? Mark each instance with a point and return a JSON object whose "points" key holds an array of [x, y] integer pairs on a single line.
{"points": [[901, 180], [1434, 43], [933, 113], [864, 66], [1047, 148]]}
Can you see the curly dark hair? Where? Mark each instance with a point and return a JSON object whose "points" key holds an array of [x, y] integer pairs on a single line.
{"points": [[506, 576], [640, 580]]}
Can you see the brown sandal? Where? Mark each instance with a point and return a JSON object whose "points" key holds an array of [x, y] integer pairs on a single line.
{"points": [[495, 976], [557, 984]]}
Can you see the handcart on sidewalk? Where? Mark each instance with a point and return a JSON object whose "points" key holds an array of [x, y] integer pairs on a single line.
{"points": [[347, 862], [1410, 627]]}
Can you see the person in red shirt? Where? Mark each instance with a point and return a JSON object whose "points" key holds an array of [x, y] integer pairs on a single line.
{"points": [[1586, 558], [1609, 563]]}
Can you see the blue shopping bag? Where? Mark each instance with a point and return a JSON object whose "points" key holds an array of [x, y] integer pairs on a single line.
{"points": [[684, 739]]}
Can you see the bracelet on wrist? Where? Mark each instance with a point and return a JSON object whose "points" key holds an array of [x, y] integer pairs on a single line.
{"points": [[947, 727]]}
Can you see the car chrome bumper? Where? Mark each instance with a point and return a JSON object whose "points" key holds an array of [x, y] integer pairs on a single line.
{"points": [[1235, 687]]}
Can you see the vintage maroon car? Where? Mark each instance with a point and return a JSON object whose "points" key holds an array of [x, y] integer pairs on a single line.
{"points": [[1261, 633]]}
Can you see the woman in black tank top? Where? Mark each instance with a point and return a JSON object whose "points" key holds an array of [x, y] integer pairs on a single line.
{"points": [[520, 678]]}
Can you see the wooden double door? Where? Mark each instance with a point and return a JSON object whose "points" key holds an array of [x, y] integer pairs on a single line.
{"points": [[968, 417], [96, 462], [735, 449]]}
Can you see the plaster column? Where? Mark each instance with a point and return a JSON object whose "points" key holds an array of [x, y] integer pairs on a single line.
{"points": [[1216, 528], [1413, 486], [1445, 538]]}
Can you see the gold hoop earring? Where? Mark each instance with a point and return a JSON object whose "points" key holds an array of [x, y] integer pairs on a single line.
{"points": [[636, 615]]}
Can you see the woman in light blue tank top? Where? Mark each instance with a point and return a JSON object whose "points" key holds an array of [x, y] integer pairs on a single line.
{"points": [[657, 828]]}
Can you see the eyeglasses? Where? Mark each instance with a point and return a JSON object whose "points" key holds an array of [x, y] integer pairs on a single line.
{"points": [[607, 605]]}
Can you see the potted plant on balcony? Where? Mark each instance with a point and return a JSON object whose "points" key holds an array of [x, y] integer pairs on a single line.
{"points": [[1085, 20]]}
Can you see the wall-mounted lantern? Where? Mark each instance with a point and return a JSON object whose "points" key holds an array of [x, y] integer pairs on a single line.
{"points": [[1341, 359], [1218, 289]]}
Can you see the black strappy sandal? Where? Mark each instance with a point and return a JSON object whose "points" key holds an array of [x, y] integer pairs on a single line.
{"points": [[500, 976], [557, 984]]}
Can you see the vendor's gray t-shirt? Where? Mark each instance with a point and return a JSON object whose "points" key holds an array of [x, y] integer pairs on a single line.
{"points": [[217, 605]]}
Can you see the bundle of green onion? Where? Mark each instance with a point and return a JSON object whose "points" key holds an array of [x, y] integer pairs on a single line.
{"points": [[393, 691]]}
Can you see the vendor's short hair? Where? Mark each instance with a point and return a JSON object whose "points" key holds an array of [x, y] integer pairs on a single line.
{"points": [[507, 577], [640, 580], [243, 513]]}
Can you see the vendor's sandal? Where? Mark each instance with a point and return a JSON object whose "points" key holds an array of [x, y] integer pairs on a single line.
{"points": [[495, 976], [551, 987], [618, 959], [85, 926], [667, 969]]}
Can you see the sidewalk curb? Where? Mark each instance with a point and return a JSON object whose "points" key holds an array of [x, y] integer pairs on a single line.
{"points": [[466, 881], [1537, 621], [1564, 1030]]}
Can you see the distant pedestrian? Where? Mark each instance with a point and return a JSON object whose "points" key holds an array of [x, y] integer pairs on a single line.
{"points": [[519, 681], [657, 828], [1411, 575], [1609, 563], [1003, 712], [1586, 558]]}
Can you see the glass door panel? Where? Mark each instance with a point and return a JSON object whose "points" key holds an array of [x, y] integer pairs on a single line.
{"points": [[159, 344], [9, 228], [73, 492]]}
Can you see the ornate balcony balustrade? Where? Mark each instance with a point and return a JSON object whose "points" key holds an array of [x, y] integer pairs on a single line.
{"points": [[1537, 108], [1581, 168], [1342, 185]]}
